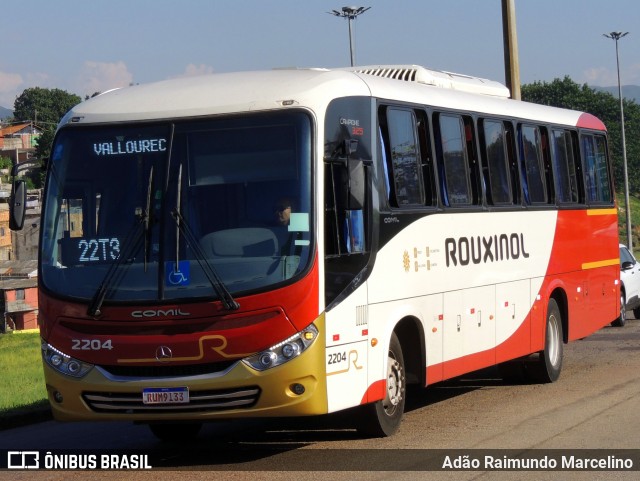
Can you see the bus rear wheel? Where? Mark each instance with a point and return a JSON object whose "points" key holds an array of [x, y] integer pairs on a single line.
{"points": [[622, 320], [549, 364], [383, 418]]}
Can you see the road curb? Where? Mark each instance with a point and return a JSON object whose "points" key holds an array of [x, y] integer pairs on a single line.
{"points": [[24, 418]]}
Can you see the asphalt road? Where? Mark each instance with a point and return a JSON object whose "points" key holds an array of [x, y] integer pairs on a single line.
{"points": [[594, 405]]}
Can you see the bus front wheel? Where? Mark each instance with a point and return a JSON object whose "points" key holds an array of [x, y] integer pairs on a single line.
{"points": [[383, 418]]}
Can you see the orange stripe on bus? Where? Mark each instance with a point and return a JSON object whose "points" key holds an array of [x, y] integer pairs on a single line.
{"points": [[612, 211], [596, 264]]}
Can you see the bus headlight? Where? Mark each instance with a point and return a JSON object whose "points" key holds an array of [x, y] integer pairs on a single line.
{"points": [[283, 351], [64, 363]]}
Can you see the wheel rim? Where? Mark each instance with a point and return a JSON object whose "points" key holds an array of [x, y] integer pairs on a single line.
{"points": [[554, 340], [395, 386], [623, 310]]}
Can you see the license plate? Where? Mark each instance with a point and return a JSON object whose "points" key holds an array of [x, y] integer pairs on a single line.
{"points": [[165, 395]]}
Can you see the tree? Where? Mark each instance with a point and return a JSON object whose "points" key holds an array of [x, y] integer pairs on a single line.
{"points": [[44, 107], [566, 93]]}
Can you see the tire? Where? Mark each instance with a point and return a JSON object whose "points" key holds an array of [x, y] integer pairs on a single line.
{"points": [[636, 313], [549, 364], [175, 432], [383, 418], [622, 320]]}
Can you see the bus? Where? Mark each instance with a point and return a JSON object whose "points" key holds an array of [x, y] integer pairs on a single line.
{"points": [[298, 242]]}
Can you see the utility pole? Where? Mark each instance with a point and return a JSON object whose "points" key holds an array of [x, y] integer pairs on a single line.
{"points": [[617, 36], [350, 13], [510, 41]]}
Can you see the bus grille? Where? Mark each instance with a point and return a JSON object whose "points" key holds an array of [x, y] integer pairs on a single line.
{"points": [[143, 372], [199, 401]]}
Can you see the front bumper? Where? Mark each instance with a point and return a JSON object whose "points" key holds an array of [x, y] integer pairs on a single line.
{"points": [[237, 392]]}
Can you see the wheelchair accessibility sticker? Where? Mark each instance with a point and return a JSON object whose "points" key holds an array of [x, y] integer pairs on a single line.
{"points": [[177, 274]]}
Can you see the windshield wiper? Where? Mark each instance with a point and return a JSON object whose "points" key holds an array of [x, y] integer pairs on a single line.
{"points": [[147, 220], [131, 247], [214, 279]]}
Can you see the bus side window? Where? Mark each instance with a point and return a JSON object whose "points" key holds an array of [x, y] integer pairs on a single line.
{"points": [[453, 143], [403, 158], [73, 216], [428, 175], [598, 182], [546, 165], [76, 213], [512, 158], [532, 163], [496, 169], [566, 168]]}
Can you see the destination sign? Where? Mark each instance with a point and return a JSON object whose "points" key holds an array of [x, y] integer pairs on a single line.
{"points": [[121, 147]]}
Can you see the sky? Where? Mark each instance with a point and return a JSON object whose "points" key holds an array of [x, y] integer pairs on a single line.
{"points": [[84, 47]]}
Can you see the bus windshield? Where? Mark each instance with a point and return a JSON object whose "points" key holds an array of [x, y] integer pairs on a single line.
{"points": [[148, 212]]}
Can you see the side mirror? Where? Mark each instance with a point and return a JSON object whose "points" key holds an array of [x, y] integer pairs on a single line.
{"points": [[17, 204], [626, 266]]}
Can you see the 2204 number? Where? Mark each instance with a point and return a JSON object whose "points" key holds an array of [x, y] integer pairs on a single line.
{"points": [[90, 344], [337, 357]]}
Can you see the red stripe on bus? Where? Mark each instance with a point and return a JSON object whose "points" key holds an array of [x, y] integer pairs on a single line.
{"points": [[588, 121]]}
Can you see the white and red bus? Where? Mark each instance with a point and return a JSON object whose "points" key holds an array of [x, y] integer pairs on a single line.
{"points": [[300, 242]]}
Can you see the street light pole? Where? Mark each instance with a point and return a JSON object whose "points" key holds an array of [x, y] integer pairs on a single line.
{"points": [[617, 36], [350, 13], [510, 41]]}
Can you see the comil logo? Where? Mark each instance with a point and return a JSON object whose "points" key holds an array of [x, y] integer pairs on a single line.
{"points": [[160, 313], [23, 460]]}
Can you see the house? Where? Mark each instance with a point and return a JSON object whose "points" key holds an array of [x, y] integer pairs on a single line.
{"points": [[18, 295], [19, 136]]}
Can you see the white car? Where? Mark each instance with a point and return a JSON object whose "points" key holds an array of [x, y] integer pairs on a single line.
{"points": [[629, 286]]}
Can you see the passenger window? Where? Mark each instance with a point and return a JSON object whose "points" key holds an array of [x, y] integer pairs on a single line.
{"points": [[403, 167], [453, 160], [565, 167], [532, 162], [598, 184], [428, 174], [496, 166]]}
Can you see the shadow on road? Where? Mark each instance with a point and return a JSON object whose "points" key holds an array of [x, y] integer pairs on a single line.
{"points": [[253, 444]]}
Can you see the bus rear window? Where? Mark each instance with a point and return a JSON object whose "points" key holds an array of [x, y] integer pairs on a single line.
{"points": [[598, 183]]}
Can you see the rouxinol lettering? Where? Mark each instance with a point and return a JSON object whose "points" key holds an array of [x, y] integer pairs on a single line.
{"points": [[483, 250]]}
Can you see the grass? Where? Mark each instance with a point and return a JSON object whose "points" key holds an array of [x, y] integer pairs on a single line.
{"points": [[22, 387]]}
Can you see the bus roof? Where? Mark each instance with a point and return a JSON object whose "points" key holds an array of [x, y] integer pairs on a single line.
{"points": [[437, 78], [312, 88]]}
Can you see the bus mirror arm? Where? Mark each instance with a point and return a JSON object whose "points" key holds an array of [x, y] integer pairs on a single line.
{"points": [[350, 147]]}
